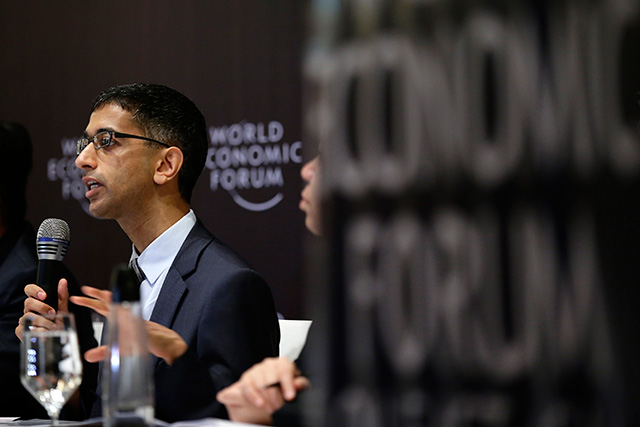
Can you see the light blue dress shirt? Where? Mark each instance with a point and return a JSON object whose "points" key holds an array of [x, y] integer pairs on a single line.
{"points": [[157, 258]]}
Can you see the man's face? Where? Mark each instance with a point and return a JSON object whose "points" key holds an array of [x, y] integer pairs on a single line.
{"points": [[119, 178], [310, 197]]}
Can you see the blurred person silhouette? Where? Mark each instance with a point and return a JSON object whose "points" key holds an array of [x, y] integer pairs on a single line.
{"points": [[267, 386], [18, 267]]}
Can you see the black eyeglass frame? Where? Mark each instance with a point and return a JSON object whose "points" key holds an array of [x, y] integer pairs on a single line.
{"points": [[84, 142]]}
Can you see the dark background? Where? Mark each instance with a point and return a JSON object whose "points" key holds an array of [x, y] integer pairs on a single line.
{"points": [[245, 60], [237, 60]]}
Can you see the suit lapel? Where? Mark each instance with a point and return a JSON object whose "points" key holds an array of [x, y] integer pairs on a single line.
{"points": [[174, 287], [170, 295]]}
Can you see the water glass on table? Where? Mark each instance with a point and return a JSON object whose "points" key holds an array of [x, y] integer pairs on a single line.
{"points": [[50, 363]]}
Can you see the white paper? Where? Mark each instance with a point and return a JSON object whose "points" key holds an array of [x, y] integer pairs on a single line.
{"points": [[293, 336]]}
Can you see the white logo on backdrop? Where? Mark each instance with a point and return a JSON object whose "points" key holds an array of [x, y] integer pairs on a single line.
{"points": [[246, 160], [65, 171]]}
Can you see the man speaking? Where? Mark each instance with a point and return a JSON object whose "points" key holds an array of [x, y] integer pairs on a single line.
{"points": [[209, 315]]}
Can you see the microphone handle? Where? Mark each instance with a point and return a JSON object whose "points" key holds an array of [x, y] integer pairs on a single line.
{"points": [[49, 274]]}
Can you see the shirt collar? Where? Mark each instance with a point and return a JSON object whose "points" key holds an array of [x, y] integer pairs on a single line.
{"points": [[159, 255]]}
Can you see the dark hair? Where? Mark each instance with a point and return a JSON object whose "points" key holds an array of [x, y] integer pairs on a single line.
{"points": [[15, 143], [168, 116]]}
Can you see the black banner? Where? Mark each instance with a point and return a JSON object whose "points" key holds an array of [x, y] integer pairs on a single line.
{"points": [[481, 163]]}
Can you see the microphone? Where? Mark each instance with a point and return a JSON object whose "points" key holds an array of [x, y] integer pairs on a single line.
{"points": [[52, 242]]}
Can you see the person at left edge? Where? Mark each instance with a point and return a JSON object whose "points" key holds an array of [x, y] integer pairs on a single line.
{"points": [[210, 316], [18, 267]]}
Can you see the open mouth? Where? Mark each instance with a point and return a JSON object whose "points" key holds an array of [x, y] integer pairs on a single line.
{"points": [[91, 184]]}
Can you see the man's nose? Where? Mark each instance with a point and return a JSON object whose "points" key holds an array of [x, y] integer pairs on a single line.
{"points": [[86, 158]]}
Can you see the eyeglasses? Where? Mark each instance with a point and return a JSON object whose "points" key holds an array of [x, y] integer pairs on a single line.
{"points": [[105, 139]]}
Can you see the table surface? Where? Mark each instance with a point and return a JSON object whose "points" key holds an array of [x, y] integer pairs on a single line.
{"points": [[207, 422]]}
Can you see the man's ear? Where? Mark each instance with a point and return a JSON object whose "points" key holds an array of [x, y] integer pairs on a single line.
{"points": [[168, 165]]}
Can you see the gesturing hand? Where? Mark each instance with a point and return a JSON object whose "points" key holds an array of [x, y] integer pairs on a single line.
{"points": [[99, 301], [163, 343]]}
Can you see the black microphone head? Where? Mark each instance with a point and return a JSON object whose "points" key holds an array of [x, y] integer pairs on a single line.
{"points": [[53, 239]]}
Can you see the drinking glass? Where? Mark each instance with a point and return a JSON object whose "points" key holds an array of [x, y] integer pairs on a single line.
{"points": [[50, 364]]}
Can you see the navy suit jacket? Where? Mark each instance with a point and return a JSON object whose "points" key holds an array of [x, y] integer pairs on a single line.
{"points": [[224, 310]]}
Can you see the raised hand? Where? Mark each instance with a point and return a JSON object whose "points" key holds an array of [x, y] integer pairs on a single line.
{"points": [[98, 300]]}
